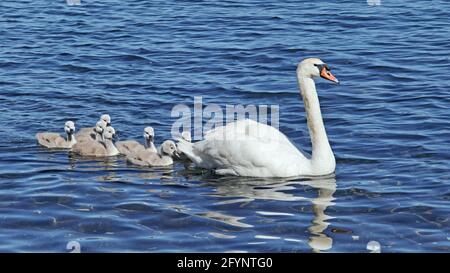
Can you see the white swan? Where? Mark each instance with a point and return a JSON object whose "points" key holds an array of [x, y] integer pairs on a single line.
{"points": [[249, 148], [98, 148], [54, 140], [129, 146], [88, 131], [164, 157], [185, 135]]}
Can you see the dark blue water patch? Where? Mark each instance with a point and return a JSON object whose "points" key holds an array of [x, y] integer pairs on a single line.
{"points": [[387, 123]]}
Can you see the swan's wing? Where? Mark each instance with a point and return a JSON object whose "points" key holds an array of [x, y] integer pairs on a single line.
{"points": [[247, 127], [145, 158], [84, 132], [243, 129], [50, 140], [89, 148], [246, 148], [128, 146], [136, 161], [87, 137], [249, 156]]}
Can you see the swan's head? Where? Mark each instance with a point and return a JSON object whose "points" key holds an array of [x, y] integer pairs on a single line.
{"points": [[186, 136], [314, 67], [100, 126], [149, 133], [107, 119], [69, 127], [168, 147], [109, 133]]}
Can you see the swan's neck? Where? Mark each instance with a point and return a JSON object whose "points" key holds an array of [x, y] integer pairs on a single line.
{"points": [[149, 145], [110, 148], [71, 139], [322, 159], [165, 157], [98, 135]]}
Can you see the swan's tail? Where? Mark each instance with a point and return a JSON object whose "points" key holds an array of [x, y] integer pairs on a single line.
{"points": [[187, 148]]}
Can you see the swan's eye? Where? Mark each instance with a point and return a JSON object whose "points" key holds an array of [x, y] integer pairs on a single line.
{"points": [[319, 66]]}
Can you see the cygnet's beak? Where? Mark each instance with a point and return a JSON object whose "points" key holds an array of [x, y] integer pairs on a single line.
{"points": [[176, 154]]}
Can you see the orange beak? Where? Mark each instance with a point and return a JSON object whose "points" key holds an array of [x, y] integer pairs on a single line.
{"points": [[326, 74]]}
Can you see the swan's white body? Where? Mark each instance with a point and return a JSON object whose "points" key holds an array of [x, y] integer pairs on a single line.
{"points": [[249, 148], [186, 136]]}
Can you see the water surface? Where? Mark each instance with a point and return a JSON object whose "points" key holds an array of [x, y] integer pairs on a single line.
{"points": [[387, 123]]}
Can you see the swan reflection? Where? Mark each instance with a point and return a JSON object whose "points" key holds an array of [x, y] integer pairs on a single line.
{"points": [[246, 190], [319, 241]]}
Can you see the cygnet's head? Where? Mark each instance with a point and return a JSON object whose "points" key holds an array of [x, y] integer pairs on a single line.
{"points": [[107, 119], [69, 127], [149, 134], [109, 133], [186, 136], [314, 67], [100, 126], [168, 147]]}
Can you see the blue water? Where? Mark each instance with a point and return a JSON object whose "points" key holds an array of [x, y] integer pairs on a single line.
{"points": [[388, 123]]}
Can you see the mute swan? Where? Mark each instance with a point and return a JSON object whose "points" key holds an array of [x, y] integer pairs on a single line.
{"points": [[128, 146], [98, 148], [54, 140], [187, 137], [88, 131], [146, 158], [249, 148]]}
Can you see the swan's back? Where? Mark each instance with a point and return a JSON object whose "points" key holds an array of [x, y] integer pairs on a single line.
{"points": [[127, 147], [52, 140], [243, 129], [148, 158], [247, 148], [84, 132], [90, 148], [86, 137]]}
